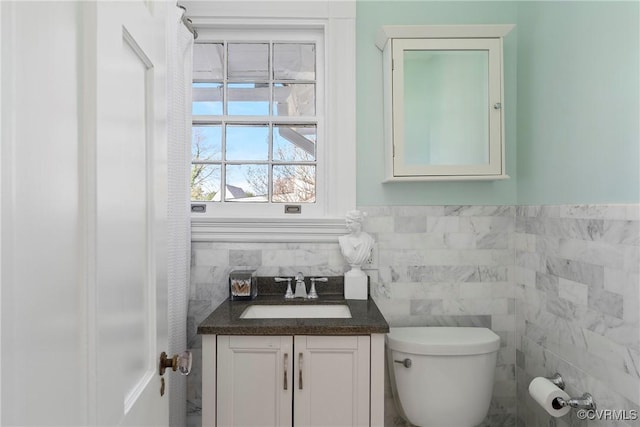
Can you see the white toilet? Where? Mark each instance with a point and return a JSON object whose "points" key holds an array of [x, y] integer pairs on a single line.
{"points": [[442, 376]]}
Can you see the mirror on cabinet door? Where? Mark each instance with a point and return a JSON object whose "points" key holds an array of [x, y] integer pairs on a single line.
{"points": [[443, 96]]}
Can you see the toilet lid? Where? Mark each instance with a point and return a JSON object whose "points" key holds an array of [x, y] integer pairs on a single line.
{"points": [[443, 340]]}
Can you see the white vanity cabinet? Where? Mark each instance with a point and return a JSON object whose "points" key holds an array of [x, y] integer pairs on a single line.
{"points": [[301, 380]]}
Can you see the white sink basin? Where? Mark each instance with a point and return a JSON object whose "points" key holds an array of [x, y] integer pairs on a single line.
{"points": [[317, 311]]}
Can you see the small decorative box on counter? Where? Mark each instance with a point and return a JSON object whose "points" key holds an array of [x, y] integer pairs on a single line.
{"points": [[243, 285]]}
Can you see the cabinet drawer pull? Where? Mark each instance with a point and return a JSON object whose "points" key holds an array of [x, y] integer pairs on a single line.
{"points": [[286, 363], [300, 372]]}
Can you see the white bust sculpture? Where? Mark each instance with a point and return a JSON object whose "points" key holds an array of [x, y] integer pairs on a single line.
{"points": [[357, 245]]}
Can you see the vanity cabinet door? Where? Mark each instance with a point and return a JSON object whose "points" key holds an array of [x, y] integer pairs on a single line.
{"points": [[254, 380], [331, 380]]}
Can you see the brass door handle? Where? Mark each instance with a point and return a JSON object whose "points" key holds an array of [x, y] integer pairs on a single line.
{"points": [[181, 362]]}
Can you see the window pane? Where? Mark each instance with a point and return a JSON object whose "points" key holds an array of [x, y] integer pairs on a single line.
{"points": [[247, 142], [205, 182], [294, 61], [207, 61], [248, 99], [247, 183], [294, 183], [206, 142], [294, 99], [294, 143], [248, 61], [207, 99]]}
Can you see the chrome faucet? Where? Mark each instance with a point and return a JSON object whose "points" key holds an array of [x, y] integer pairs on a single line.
{"points": [[301, 288]]}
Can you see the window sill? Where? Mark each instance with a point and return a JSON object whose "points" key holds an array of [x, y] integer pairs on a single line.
{"points": [[276, 230]]}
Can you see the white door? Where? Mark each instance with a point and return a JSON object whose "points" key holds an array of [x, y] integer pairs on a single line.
{"points": [[331, 381], [83, 213], [44, 357], [254, 381], [130, 322]]}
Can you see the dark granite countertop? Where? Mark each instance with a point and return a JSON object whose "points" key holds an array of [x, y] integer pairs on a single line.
{"points": [[365, 318]]}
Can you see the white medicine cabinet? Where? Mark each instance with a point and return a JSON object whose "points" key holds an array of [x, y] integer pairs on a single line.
{"points": [[443, 102]]}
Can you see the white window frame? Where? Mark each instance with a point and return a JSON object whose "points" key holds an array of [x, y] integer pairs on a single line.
{"points": [[336, 178]]}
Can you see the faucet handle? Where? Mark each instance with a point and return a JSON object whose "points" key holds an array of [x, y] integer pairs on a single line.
{"points": [[289, 293], [312, 292]]}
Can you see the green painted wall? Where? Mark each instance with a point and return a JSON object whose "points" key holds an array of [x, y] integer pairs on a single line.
{"points": [[571, 97], [578, 102]]}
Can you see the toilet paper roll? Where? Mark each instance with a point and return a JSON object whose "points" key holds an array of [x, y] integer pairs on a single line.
{"points": [[545, 392]]}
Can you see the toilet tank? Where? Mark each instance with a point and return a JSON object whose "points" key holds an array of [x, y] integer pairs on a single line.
{"points": [[450, 378]]}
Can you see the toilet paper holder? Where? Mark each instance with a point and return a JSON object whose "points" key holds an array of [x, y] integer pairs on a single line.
{"points": [[584, 402]]}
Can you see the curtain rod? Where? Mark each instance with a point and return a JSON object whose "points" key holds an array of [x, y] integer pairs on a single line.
{"points": [[187, 22]]}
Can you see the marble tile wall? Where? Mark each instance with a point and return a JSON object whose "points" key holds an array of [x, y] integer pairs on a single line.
{"points": [[577, 275], [559, 285]]}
